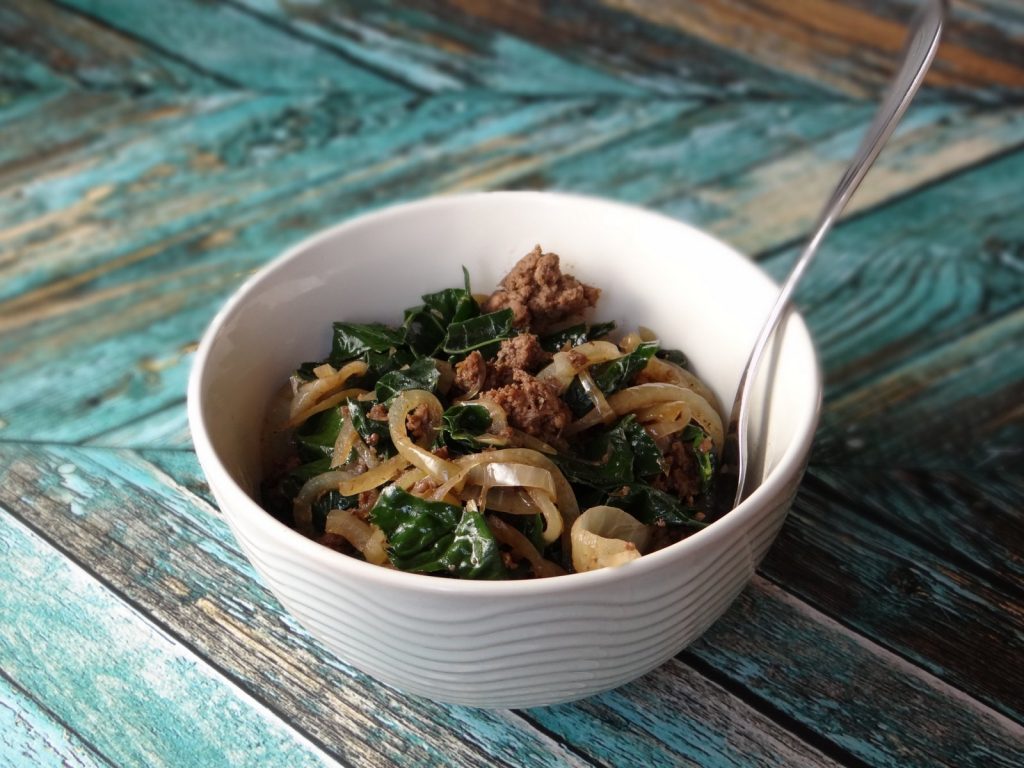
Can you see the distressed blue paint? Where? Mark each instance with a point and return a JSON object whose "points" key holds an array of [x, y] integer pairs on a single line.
{"points": [[86, 655], [30, 736], [138, 187], [236, 48], [877, 707]]}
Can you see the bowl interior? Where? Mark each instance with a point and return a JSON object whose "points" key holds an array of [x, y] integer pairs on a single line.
{"points": [[695, 292]]}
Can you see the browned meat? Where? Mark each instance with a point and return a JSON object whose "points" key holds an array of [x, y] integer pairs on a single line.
{"points": [[424, 487], [378, 413], [539, 294], [471, 372], [533, 406], [366, 501], [682, 475], [417, 422], [520, 353]]}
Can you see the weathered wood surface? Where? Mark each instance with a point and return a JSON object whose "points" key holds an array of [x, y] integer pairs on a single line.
{"points": [[154, 154]]}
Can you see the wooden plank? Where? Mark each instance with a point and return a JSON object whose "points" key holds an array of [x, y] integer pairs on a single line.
{"points": [[930, 289], [848, 691], [133, 271], [31, 735], [178, 562], [174, 559], [665, 166], [777, 202], [675, 716], [852, 46], [234, 48], [944, 617], [972, 517], [22, 77], [953, 407], [80, 51], [72, 131], [85, 655], [533, 49]]}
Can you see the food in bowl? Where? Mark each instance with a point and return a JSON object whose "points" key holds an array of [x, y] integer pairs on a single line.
{"points": [[496, 436], [514, 642]]}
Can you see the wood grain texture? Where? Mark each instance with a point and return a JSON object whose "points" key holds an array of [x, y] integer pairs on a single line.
{"points": [[530, 48], [233, 48], [150, 540], [852, 45], [129, 261], [32, 735], [74, 49], [86, 655], [849, 692], [971, 517], [944, 617], [155, 154]]}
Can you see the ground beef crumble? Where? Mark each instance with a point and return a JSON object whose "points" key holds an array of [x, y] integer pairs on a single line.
{"points": [[682, 475], [378, 413], [470, 373], [520, 353], [533, 406], [539, 294], [417, 422]]}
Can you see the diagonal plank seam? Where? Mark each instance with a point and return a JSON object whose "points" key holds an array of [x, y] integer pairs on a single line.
{"points": [[215, 77], [165, 629], [1008, 724], [139, 608], [94, 752], [780, 249], [766, 707], [335, 50]]}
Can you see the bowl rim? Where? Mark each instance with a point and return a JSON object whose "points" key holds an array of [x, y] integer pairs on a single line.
{"points": [[773, 491]]}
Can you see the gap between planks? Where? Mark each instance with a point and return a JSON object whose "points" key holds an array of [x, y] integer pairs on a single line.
{"points": [[779, 249], [1008, 724], [77, 740], [521, 716], [315, 746]]}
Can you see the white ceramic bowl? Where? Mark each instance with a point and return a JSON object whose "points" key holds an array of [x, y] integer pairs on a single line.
{"points": [[501, 644]]}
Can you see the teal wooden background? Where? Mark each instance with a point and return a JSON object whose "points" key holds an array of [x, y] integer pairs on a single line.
{"points": [[154, 154]]}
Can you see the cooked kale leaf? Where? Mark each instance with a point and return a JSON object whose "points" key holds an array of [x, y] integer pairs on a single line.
{"points": [[461, 424], [610, 377], [420, 374], [575, 335], [435, 537], [478, 332]]}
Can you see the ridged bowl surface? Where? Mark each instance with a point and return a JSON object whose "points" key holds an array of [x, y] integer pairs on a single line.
{"points": [[503, 644]]}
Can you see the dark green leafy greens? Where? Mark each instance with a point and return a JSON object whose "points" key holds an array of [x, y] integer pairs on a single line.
{"points": [[351, 340], [462, 424], [674, 356], [420, 374], [619, 464], [435, 537], [706, 460], [610, 377], [315, 438], [615, 470], [575, 335], [478, 332], [373, 432]]}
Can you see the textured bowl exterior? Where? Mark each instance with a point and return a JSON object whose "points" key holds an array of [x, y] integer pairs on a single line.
{"points": [[516, 644]]}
